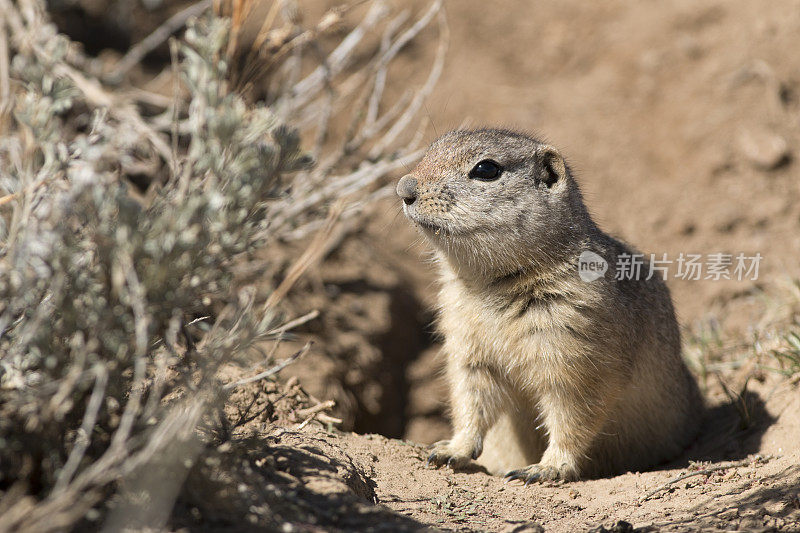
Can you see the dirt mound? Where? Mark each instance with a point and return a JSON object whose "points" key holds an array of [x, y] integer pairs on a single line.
{"points": [[732, 479], [317, 480]]}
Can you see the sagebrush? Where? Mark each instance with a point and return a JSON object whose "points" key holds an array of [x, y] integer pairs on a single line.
{"points": [[117, 308]]}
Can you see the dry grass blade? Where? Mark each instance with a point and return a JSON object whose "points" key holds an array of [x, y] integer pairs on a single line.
{"points": [[739, 401], [263, 31], [385, 58], [413, 108], [294, 323], [310, 257], [5, 81]]}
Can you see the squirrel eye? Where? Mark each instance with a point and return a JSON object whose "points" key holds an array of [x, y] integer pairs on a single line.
{"points": [[486, 170]]}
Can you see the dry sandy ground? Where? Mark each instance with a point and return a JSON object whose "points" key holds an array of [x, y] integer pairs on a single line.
{"points": [[315, 480], [756, 497]]}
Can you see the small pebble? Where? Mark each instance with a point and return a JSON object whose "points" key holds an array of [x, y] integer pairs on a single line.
{"points": [[764, 149]]}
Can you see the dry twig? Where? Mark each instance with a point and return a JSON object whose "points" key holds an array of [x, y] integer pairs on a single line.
{"points": [[705, 471], [316, 412], [272, 370]]}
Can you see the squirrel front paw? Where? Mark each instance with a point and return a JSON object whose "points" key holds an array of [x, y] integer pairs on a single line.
{"points": [[453, 454], [541, 472]]}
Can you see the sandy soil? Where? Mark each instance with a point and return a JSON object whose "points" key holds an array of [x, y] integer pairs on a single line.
{"points": [[277, 476], [755, 497]]}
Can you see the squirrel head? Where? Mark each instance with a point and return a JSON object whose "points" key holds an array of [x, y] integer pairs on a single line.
{"points": [[494, 202]]}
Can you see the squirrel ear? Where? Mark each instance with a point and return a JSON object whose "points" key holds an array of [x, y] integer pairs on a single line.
{"points": [[553, 167]]}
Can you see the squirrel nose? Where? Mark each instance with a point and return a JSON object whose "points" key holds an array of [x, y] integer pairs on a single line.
{"points": [[407, 189]]}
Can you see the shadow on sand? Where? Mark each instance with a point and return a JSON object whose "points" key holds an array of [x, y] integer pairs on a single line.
{"points": [[286, 481]]}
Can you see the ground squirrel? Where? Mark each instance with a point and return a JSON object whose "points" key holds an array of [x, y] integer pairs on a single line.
{"points": [[551, 376]]}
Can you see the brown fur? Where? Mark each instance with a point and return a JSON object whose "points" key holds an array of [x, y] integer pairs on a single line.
{"points": [[550, 376]]}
